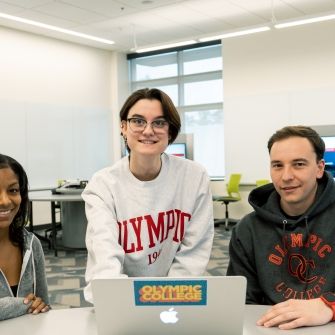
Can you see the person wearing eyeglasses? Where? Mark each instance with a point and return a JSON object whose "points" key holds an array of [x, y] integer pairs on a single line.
{"points": [[150, 214]]}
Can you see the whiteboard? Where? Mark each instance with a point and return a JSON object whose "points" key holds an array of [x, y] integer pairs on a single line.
{"points": [[55, 142]]}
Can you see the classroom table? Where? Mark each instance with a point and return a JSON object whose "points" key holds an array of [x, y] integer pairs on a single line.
{"points": [[72, 217], [82, 321]]}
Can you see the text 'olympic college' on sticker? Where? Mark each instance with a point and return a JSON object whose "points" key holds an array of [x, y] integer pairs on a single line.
{"points": [[174, 292]]}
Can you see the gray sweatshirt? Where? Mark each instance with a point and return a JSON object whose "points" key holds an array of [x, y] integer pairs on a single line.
{"points": [[162, 227], [32, 280]]}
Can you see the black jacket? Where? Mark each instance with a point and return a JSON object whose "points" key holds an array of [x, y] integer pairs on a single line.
{"points": [[284, 258]]}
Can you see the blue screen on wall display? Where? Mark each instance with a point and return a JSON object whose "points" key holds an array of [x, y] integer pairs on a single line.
{"points": [[329, 156]]}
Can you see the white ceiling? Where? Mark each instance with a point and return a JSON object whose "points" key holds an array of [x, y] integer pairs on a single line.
{"points": [[143, 23]]}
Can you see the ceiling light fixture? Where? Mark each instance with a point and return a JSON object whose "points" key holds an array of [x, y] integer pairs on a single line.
{"points": [[235, 34], [304, 21], [166, 46], [54, 28]]}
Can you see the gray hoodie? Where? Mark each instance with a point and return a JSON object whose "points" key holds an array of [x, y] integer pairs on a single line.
{"points": [[32, 280], [285, 257]]}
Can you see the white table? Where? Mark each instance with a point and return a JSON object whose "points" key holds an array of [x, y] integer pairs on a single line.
{"points": [[253, 312], [81, 321], [75, 321], [72, 216]]}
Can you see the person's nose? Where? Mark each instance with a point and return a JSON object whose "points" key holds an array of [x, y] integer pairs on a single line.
{"points": [[287, 173], [4, 199], [148, 130]]}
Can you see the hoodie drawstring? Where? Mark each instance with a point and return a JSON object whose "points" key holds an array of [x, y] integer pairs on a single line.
{"points": [[33, 263]]}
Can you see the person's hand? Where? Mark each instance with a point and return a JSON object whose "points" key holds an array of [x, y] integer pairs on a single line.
{"points": [[37, 305], [295, 313]]}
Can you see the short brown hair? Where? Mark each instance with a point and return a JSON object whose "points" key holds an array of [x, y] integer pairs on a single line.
{"points": [[300, 131], [170, 112]]}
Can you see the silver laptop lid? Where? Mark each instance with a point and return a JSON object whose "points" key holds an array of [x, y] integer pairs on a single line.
{"points": [[165, 306]]}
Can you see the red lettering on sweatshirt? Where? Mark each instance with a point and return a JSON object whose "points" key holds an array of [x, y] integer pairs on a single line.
{"points": [[299, 267], [171, 220], [169, 223], [322, 251], [158, 230], [290, 293], [180, 228], [300, 258], [136, 224], [295, 240], [123, 238], [315, 242], [277, 259], [127, 248]]}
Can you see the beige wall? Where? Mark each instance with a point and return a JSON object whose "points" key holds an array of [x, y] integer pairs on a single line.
{"points": [[59, 103], [273, 79], [61, 99], [45, 70]]}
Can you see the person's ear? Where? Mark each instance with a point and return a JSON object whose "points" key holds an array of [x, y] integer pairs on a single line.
{"points": [[321, 168], [123, 127]]}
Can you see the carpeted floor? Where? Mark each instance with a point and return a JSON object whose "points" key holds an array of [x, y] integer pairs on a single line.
{"points": [[66, 273]]}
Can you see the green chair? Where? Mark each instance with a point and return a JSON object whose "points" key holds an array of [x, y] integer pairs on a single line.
{"points": [[233, 196], [261, 182]]}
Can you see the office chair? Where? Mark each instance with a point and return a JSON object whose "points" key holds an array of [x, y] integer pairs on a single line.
{"points": [[261, 182], [233, 196]]}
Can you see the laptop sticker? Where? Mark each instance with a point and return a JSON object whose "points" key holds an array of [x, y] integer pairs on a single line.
{"points": [[174, 292]]}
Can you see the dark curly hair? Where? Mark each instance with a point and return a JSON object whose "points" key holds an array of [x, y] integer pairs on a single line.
{"points": [[21, 218]]}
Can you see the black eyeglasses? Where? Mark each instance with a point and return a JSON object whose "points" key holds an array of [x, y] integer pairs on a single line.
{"points": [[137, 125]]}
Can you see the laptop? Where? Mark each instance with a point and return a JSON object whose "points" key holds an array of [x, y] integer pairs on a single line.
{"points": [[164, 306]]}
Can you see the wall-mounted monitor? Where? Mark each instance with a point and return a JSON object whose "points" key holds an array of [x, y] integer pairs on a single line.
{"points": [[177, 149], [330, 154], [182, 146]]}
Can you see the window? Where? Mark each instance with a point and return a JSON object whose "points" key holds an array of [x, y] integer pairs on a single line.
{"points": [[192, 77]]}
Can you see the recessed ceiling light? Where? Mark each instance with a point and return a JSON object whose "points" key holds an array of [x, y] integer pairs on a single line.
{"points": [[235, 33], [55, 28], [165, 46], [306, 20]]}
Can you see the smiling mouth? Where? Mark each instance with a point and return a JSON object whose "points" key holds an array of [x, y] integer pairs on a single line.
{"points": [[148, 142], [289, 188], [5, 212]]}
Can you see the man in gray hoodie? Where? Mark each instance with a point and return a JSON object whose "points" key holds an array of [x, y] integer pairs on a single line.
{"points": [[286, 247]]}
